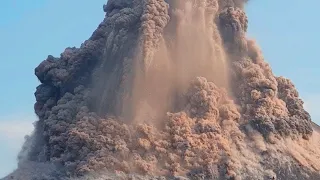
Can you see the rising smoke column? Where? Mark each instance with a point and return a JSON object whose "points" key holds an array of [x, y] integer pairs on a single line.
{"points": [[166, 89]]}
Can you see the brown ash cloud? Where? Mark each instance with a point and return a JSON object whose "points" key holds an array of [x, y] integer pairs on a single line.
{"points": [[168, 89]]}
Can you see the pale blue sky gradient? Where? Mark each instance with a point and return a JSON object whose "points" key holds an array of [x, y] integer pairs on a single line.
{"points": [[287, 32]]}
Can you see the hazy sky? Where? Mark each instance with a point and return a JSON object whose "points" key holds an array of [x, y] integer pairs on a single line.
{"points": [[286, 30]]}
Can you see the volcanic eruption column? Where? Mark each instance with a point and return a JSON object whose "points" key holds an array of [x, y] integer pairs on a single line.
{"points": [[168, 88]]}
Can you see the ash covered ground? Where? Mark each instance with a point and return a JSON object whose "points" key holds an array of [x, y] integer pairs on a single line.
{"points": [[168, 89]]}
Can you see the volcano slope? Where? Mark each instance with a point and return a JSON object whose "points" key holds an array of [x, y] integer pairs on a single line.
{"points": [[168, 89]]}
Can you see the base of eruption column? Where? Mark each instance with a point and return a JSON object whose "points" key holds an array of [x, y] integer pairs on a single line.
{"points": [[213, 109]]}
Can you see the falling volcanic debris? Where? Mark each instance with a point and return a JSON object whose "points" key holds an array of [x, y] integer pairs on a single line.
{"points": [[168, 89]]}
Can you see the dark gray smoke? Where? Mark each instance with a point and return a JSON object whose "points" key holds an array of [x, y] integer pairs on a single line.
{"points": [[168, 89]]}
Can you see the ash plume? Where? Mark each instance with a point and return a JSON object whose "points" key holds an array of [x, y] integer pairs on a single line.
{"points": [[168, 89]]}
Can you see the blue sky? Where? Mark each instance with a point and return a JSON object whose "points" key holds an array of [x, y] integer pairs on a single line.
{"points": [[286, 31]]}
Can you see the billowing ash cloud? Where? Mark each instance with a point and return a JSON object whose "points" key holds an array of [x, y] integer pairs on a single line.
{"points": [[168, 89]]}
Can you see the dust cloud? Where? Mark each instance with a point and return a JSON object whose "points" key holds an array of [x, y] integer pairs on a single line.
{"points": [[168, 89]]}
